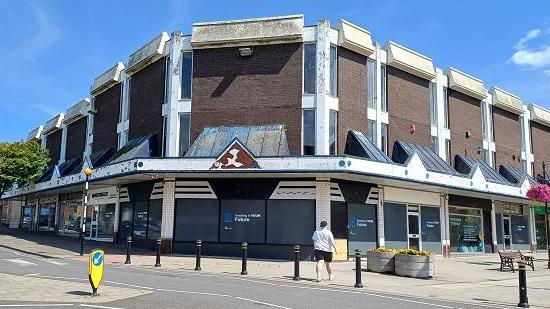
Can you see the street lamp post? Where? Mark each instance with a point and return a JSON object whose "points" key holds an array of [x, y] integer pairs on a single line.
{"points": [[87, 172], [546, 216]]}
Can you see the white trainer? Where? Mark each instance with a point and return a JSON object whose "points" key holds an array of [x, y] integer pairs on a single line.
{"points": [[318, 278]]}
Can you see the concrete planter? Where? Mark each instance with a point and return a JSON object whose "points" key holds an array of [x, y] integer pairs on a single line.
{"points": [[381, 262], [416, 266]]}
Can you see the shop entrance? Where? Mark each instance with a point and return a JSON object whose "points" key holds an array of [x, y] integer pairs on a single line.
{"points": [[507, 238], [413, 228], [27, 217], [466, 230], [46, 217], [101, 220]]}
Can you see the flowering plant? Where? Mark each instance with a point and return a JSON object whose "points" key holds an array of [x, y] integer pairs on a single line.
{"points": [[539, 193]]}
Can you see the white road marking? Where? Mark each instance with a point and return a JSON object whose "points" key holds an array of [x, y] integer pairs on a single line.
{"points": [[38, 305], [31, 275], [97, 306], [9, 250], [20, 262], [55, 262], [261, 302]]}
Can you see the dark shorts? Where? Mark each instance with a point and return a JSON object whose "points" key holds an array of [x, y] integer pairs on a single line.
{"points": [[323, 255]]}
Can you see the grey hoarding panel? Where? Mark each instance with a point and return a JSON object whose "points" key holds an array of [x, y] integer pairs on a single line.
{"points": [[291, 222], [362, 227], [520, 231], [430, 223], [242, 220], [395, 225], [196, 219]]}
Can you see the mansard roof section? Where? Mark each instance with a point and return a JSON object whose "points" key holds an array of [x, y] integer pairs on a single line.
{"points": [[506, 100], [515, 175], [357, 144], [246, 32], [403, 152], [53, 124], [108, 79], [410, 61], [140, 147], [354, 38], [35, 133], [467, 166], [69, 167], [466, 84], [540, 114], [262, 141], [147, 54], [76, 111]]}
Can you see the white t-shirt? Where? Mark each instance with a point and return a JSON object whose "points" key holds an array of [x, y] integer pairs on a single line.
{"points": [[323, 240]]}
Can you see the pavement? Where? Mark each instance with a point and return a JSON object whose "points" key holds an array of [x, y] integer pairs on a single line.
{"points": [[459, 282]]}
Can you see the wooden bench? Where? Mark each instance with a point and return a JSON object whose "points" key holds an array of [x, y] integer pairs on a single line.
{"points": [[507, 259]]}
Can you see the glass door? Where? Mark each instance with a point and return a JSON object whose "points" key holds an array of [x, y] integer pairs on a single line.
{"points": [[94, 222], [413, 227], [507, 238], [46, 217]]}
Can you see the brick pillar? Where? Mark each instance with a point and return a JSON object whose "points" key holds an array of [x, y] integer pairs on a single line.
{"points": [[167, 229], [380, 218], [322, 200]]}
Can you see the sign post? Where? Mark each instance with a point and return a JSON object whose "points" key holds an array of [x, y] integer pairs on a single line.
{"points": [[95, 268]]}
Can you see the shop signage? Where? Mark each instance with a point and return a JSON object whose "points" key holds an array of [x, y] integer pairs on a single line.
{"points": [[95, 268], [102, 196], [235, 156], [230, 218], [355, 222]]}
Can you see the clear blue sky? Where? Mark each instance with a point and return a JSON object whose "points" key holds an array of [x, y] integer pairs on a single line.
{"points": [[50, 51]]}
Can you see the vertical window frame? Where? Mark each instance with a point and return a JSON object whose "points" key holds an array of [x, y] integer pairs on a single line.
{"points": [[313, 68], [384, 87], [384, 142], [188, 136], [433, 102], [371, 83], [333, 80], [333, 130], [304, 132], [446, 116], [184, 79]]}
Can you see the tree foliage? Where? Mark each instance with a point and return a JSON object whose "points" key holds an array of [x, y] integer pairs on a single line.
{"points": [[21, 161]]}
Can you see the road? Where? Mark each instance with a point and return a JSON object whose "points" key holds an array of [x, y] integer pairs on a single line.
{"points": [[190, 289]]}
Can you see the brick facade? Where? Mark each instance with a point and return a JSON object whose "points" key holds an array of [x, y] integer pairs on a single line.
{"points": [[465, 116], [265, 88], [107, 105], [507, 131], [540, 140], [352, 94], [76, 138], [53, 144], [408, 103], [146, 99]]}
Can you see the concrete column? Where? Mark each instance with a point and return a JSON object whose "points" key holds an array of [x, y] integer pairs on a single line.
{"points": [[124, 122], [117, 215], [63, 150], [168, 201], [323, 74], [170, 110], [89, 128], [322, 200], [446, 236], [494, 226], [380, 218]]}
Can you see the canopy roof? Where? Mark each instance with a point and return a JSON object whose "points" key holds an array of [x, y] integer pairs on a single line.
{"points": [[357, 144], [402, 151]]}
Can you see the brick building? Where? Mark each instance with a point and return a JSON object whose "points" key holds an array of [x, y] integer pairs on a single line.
{"points": [[256, 130]]}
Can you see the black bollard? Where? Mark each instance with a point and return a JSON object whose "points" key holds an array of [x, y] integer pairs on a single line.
{"points": [[245, 249], [296, 263], [523, 301], [82, 243], [128, 245], [157, 263], [358, 283], [198, 262]]}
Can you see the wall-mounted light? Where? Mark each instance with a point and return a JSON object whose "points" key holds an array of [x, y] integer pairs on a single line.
{"points": [[245, 51], [468, 134], [412, 128]]}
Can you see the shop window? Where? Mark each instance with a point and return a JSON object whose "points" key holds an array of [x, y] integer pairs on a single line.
{"points": [[193, 223], [154, 222], [333, 89], [308, 127], [338, 220], [371, 83], [395, 225], [186, 74], [520, 232], [185, 133], [310, 68], [126, 220], [290, 230], [140, 219], [106, 221], [466, 230]]}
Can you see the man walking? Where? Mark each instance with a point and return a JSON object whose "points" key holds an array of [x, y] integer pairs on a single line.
{"points": [[323, 243]]}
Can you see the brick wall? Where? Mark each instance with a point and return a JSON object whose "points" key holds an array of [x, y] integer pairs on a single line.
{"points": [[540, 140], [352, 94], [265, 88], [507, 133], [408, 103], [146, 99], [465, 116], [53, 144], [76, 138], [107, 105]]}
